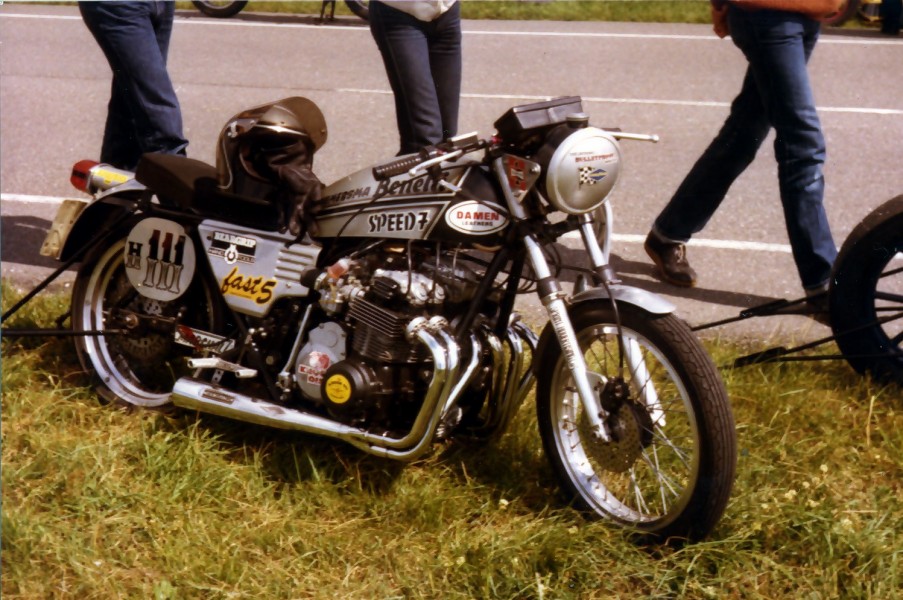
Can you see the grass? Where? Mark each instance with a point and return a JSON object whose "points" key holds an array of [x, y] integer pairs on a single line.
{"points": [[668, 11], [103, 503]]}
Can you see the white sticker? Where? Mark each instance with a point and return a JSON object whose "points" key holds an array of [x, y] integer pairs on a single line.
{"points": [[475, 217], [159, 259]]}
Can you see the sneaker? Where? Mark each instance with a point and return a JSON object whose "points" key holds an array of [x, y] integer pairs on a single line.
{"points": [[671, 260]]}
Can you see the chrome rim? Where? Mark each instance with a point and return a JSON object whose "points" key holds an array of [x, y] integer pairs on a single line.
{"points": [[648, 475]]}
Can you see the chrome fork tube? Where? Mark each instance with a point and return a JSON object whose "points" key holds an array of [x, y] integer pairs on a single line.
{"points": [[567, 338], [596, 254], [553, 300]]}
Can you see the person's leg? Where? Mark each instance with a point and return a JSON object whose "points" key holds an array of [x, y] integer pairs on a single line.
{"points": [[778, 46], [891, 12], [402, 41], [126, 34], [705, 186], [445, 65]]}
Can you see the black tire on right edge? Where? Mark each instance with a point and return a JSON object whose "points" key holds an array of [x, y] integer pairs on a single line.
{"points": [[867, 285], [670, 475]]}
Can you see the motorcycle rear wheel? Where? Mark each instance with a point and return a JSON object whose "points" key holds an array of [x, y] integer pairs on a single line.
{"points": [[670, 473], [140, 366], [867, 288], [221, 10]]}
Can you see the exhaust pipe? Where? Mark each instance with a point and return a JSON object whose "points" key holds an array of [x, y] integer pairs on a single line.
{"points": [[201, 396]]}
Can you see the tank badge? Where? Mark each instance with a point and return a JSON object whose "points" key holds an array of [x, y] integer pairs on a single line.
{"points": [[476, 217]]}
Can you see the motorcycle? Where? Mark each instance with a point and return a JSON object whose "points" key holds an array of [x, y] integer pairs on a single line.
{"points": [[225, 9], [381, 311]]}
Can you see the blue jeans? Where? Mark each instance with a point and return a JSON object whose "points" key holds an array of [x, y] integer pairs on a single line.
{"points": [[423, 63], [775, 93], [143, 114]]}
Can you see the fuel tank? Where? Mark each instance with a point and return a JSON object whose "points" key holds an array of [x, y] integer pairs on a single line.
{"points": [[415, 208]]}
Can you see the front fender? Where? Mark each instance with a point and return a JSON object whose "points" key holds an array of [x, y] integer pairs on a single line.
{"points": [[622, 294], [629, 294]]}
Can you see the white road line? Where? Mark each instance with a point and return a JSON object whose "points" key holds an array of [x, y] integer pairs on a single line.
{"points": [[647, 101], [625, 238], [30, 199], [528, 97], [209, 22]]}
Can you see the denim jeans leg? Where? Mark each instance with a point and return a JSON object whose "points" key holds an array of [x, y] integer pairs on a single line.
{"points": [[446, 67], [134, 37], [705, 186], [405, 45], [778, 46]]}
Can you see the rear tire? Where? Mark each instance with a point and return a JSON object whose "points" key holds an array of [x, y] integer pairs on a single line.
{"points": [[867, 285], [670, 474], [139, 367]]}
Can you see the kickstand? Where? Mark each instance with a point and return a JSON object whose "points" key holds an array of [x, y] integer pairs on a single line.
{"points": [[331, 4], [769, 309]]}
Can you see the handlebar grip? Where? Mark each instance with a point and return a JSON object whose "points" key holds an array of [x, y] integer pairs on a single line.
{"points": [[396, 167]]}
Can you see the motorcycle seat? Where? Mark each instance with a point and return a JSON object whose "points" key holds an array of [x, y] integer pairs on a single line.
{"points": [[191, 185], [173, 178]]}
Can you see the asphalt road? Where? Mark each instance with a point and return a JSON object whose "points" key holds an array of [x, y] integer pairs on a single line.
{"points": [[672, 80]]}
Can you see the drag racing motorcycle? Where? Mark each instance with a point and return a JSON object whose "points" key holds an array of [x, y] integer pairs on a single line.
{"points": [[380, 310]]}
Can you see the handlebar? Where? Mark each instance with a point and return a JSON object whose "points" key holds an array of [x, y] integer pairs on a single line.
{"points": [[640, 137], [457, 147], [451, 149], [396, 167]]}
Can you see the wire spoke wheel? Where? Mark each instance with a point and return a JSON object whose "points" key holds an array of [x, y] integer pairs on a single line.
{"points": [[866, 296], [669, 466], [139, 360]]}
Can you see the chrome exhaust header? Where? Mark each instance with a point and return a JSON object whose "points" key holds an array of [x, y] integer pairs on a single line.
{"points": [[201, 396]]}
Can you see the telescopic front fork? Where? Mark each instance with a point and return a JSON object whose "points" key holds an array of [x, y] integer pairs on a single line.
{"points": [[553, 299]]}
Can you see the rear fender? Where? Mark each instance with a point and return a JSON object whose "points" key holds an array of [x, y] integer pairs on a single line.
{"points": [[640, 298], [105, 209]]}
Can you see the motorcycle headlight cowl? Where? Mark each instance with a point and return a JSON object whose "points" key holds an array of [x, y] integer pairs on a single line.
{"points": [[582, 169]]}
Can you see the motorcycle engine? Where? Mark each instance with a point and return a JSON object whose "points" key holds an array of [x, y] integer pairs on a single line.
{"points": [[361, 366]]}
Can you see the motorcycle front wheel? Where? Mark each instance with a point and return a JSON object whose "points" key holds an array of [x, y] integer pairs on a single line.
{"points": [[866, 295], [138, 360], [669, 468]]}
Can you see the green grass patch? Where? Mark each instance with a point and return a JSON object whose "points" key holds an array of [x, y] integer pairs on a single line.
{"points": [[665, 11], [99, 502]]}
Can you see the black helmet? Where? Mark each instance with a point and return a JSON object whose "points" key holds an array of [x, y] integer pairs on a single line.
{"points": [[285, 131]]}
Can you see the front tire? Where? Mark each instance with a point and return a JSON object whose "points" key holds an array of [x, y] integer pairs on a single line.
{"points": [[670, 471], [866, 295], [140, 366]]}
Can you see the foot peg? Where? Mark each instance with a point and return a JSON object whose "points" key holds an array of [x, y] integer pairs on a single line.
{"points": [[222, 365]]}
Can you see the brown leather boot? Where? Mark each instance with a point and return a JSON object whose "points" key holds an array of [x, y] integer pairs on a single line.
{"points": [[671, 260]]}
